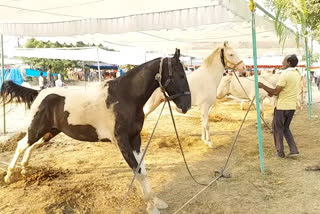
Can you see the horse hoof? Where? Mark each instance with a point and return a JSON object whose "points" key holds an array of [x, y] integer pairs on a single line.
{"points": [[160, 204], [152, 210], [210, 145], [7, 179], [23, 171]]}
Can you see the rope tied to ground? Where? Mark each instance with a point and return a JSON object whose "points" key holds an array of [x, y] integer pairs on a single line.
{"points": [[222, 171]]}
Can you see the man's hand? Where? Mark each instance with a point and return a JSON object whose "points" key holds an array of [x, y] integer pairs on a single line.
{"points": [[260, 84]]}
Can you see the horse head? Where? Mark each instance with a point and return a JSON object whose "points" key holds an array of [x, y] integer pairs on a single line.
{"points": [[175, 82], [230, 59]]}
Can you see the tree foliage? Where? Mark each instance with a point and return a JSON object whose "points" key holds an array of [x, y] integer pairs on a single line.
{"points": [[303, 14], [58, 66]]}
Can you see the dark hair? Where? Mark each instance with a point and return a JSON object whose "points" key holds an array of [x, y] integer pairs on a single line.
{"points": [[50, 66], [41, 73], [293, 60]]}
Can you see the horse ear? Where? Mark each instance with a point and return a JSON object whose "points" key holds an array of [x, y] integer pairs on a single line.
{"points": [[177, 53], [226, 43]]}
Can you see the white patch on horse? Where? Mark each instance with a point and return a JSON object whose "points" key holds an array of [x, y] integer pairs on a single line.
{"points": [[27, 153], [138, 157], [85, 108], [22, 145]]}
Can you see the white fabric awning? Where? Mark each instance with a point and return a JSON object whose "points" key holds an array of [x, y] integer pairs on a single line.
{"points": [[196, 27], [77, 17]]}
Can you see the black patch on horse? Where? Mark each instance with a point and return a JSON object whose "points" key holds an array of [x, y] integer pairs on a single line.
{"points": [[51, 115]]}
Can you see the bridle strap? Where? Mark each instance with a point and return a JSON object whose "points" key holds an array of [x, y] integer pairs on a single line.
{"points": [[158, 77], [178, 95], [222, 57], [170, 73], [225, 62]]}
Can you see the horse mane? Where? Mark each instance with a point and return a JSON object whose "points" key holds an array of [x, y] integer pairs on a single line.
{"points": [[13, 92], [138, 67], [209, 60]]}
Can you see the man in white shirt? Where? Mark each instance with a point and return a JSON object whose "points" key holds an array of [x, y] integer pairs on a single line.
{"points": [[41, 81], [59, 82]]}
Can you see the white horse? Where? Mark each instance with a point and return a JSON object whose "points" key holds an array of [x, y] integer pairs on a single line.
{"points": [[230, 86], [273, 80], [203, 84]]}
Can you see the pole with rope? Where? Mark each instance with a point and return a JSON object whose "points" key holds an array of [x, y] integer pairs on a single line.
{"points": [[309, 61], [2, 70], [252, 9], [308, 75]]}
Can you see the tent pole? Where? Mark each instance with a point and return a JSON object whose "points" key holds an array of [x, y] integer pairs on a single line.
{"points": [[308, 75], [309, 61], [98, 64], [252, 8], [2, 69]]}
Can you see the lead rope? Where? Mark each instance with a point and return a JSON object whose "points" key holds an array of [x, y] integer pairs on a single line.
{"points": [[265, 123], [221, 173]]}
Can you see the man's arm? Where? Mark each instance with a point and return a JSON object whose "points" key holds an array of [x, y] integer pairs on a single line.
{"points": [[271, 91]]}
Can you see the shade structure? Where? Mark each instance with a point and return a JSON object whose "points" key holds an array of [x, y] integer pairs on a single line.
{"points": [[196, 27]]}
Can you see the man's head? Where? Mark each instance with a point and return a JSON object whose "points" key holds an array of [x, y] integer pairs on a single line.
{"points": [[290, 61], [50, 67], [41, 74]]}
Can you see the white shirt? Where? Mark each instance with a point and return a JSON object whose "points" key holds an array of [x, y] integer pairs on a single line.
{"points": [[41, 84], [59, 83]]}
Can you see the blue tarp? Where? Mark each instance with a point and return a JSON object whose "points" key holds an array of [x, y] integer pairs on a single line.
{"points": [[13, 74], [36, 73]]}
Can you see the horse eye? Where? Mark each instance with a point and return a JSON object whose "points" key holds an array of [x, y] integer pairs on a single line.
{"points": [[231, 54]]}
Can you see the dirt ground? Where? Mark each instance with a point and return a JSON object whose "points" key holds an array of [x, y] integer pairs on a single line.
{"points": [[68, 176]]}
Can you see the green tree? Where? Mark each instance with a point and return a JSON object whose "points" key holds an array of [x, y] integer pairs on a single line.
{"points": [[303, 14], [58, 66]]}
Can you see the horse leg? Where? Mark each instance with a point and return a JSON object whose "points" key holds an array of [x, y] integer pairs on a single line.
{"points": [[131, 155], [241, 104], [261, 109], [205, 126], [22, 145], [154, 202], [203, 135], [39, 126], [154, 101], [48, 136]]}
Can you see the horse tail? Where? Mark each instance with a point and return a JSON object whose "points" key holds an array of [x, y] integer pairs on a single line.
{"points": [[13, 92]]}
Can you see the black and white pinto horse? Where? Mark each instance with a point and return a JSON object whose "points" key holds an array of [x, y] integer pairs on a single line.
{"points": [[113, 114]]}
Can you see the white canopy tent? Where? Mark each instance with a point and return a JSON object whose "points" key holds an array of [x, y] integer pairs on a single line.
{"points": [[196, 27]]}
